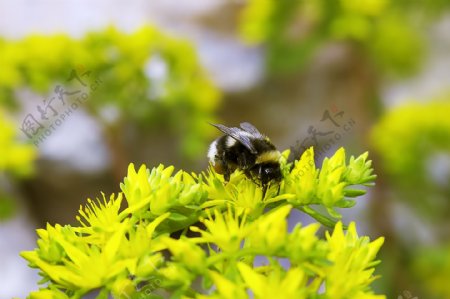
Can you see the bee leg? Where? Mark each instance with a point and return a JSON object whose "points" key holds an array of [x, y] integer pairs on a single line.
{"points": [[242, 162], [264, 189], [226, 169], [226, 175]]}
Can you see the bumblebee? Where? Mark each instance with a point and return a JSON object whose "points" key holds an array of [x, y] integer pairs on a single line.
{"points": [[246, 149]]}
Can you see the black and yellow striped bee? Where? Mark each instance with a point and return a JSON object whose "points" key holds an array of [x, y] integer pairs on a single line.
{"points": [[246, 149]]}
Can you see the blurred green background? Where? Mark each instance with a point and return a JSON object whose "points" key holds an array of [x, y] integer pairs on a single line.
{"points": [[87, 87]]}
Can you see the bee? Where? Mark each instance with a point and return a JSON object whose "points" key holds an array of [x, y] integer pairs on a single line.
{"points": [[246, 149]]}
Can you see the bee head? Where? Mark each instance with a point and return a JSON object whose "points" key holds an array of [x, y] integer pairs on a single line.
{"points": [[268, 172]]}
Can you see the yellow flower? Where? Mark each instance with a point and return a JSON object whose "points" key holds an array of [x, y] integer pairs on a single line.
{"points": [[100, 220], [226, 289], [270, 230], [86, 267], [226, 230], [302, 180], [352, 261], [276, 284], [48, 294], [187, 252]]}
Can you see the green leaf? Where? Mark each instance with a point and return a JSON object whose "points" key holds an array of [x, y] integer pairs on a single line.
{"points": [[178, 217], [354, 192]]}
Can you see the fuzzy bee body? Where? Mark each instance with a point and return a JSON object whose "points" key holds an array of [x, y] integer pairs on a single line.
{"points": [[245, 148]]}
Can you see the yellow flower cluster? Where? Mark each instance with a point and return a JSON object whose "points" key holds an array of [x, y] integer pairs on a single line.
{"points": [[124, 246]]}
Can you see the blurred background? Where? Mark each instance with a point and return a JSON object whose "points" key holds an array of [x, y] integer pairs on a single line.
{"points": [[86, 87]]}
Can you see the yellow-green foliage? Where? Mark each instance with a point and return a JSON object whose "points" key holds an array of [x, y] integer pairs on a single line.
{"points": [[122, 244], [179, 94], [431, 266], [15, 157], [292, 30], [407, 138], [408, 134]]}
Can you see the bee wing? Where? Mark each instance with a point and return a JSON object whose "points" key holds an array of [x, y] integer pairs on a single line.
{"points": [[242, 136], [248, 127]]}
